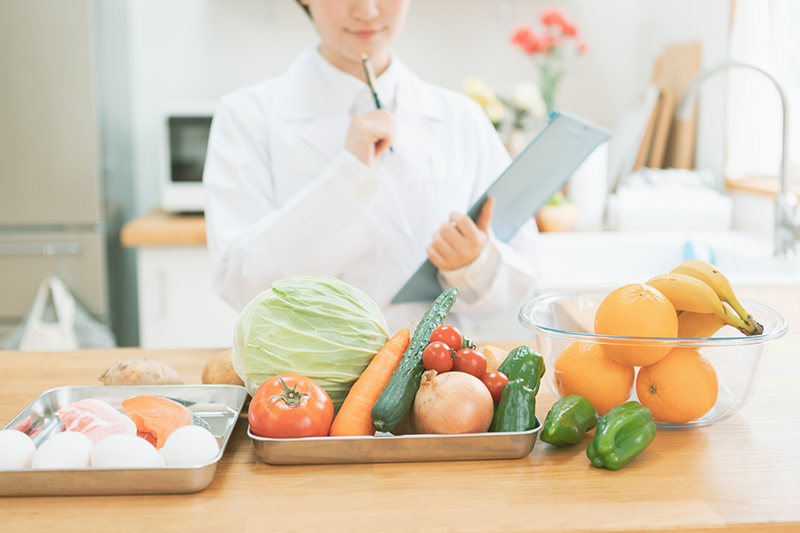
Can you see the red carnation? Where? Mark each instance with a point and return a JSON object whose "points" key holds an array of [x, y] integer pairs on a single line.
{"points": [[525, 38], [553, 16]]}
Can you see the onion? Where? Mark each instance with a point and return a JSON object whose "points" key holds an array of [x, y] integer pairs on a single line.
{"points": [[452, 403]]}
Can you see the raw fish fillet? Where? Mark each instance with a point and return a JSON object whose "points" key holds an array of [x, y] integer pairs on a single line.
{"points": [[95, 419], [156, 418]]}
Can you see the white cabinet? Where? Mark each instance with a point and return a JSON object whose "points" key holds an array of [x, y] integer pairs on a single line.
{"points": [[177, 307]]}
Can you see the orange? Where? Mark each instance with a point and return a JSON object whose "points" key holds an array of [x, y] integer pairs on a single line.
{"points": [[583, 369], [680, 388], [636, 310]]}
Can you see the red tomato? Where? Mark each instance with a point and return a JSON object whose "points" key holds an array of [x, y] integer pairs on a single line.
{"points": [[438, 356], [470, 361], [290, 406], [448, 335], [495, 382]]}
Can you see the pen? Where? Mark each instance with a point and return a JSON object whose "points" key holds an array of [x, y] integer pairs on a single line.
{"points": [[370, 73]]}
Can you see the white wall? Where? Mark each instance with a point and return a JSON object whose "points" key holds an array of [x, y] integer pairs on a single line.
{"points": [[201, 49]]}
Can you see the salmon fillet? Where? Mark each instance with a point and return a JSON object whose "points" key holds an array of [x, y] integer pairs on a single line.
{"points": [[156, 418]]}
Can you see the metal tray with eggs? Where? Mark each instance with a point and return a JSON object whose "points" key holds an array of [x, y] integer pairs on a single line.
{"points": [[214, 407]]}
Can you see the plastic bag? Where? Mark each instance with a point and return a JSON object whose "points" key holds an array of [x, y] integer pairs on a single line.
{"points": [[57, 322]]}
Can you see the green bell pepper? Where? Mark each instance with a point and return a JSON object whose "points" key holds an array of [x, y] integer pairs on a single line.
{"points": [[524, 363], [568, 421], [622, 434], [516, 410]]}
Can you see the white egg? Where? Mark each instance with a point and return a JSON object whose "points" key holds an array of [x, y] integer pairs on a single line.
{"points": [[188, 446], [125, 451], [16, 450], [64, 451]]}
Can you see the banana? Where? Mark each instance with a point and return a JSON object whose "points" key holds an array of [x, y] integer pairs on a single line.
{"points": [[690, 294], [711, 276], [698, 325]]}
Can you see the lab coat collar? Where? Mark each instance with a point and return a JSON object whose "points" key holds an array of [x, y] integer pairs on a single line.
{"points": [[311, 92]]}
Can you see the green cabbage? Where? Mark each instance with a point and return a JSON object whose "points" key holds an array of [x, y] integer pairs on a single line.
{"points": [[317, 327]]}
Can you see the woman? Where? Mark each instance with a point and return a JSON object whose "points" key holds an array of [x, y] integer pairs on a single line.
{"points": [[299, 178]]}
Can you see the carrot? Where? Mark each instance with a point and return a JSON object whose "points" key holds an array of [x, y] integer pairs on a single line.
{"points": [[355, 415]]}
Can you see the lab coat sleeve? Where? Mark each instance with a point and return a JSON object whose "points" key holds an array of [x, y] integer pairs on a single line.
{"points": [[504, 275], [252, 241]]}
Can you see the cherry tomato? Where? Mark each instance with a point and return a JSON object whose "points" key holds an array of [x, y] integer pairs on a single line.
{"points": [[448, 335], [290, 406], [438, 356], [495, 382], [470, 361]]}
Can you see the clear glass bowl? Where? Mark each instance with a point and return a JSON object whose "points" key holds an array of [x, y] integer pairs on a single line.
{"points": [[559, 319]]}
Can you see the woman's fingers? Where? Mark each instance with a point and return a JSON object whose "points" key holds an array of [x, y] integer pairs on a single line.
{"points": [[443, 246], [464, 225], [436, 258], [452, 234], [485, 216], [370, 134], [460, 240]]}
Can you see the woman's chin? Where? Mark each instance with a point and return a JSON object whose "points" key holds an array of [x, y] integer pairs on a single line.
{"points": [[372, 44]]}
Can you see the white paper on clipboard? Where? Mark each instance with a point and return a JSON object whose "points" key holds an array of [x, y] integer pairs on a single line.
{"points": [[534, 176]]}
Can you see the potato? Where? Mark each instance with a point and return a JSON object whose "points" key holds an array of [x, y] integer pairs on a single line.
{"points": [[140, 372], [494, 357], [219, 370]]}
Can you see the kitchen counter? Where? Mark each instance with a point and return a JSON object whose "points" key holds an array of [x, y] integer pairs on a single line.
{"points": [[742, 473], [178, 307], [159, 228]]}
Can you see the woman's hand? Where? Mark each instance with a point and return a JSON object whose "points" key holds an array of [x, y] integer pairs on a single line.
{"points": [[460, 240], [369, 135]]}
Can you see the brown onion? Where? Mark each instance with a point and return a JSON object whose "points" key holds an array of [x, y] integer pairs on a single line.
{"points": [[452, 403]]}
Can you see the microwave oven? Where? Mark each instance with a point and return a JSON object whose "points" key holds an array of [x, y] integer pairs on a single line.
{"points": [[185, 127]]}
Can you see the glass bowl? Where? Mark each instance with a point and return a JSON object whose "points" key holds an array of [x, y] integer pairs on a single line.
{"points": [[560, 319]]}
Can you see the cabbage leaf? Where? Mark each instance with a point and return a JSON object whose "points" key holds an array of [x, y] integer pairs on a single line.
{"points": [[315, 326]]}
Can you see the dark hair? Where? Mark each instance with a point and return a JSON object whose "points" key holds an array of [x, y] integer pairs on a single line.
{"points": [[305, 7]]}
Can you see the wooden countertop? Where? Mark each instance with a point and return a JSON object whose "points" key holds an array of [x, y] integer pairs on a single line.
{"points": [[742, 473], [164, 229], [768, 186]]}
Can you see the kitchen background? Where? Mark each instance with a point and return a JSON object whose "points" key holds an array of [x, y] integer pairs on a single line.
{"points": [[99, 74]]}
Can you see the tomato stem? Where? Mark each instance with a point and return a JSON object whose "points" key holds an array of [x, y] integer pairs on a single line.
{"points": [[292, 397]]}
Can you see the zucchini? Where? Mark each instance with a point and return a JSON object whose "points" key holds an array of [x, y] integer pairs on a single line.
{"points": [[398, 395]]}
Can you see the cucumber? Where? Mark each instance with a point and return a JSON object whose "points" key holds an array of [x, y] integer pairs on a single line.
{"points": [[399, 393]]}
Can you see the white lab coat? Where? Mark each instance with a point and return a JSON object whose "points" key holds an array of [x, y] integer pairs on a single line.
{"points": [[285, 198]]}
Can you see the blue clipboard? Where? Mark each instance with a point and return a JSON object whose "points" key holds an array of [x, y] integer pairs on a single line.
{"points": [[535, 175]]}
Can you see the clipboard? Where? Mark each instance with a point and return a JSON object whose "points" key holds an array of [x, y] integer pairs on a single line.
{"points": [[535, 175]]}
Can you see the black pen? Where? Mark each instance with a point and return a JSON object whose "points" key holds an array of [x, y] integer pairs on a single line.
{"points": [[370, 73]]}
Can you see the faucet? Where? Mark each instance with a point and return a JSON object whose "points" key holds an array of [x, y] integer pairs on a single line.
{"points": [[787, 225]]}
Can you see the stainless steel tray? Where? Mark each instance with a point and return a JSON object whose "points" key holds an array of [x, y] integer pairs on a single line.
{"points": [[386, 448], [216, 405]]}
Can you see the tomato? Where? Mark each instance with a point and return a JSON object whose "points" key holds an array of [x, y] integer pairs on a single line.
{"points": [[470, 361], [438, 356], [495, 382], [290, 406], [448, 335]]}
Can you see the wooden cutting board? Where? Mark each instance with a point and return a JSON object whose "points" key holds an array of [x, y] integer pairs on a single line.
{"points": [[662, 129], [643, 157], [680, 63]]}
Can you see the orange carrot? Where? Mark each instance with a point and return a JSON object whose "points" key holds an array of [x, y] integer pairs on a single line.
{"points": [[355, 415]]}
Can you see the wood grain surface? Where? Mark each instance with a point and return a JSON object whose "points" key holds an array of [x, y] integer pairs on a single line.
{"points": [[741, 474], [681, 63], [164, 229], [768, 186]]}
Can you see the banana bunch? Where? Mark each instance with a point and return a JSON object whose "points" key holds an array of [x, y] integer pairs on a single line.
{"points": [[705, 300]]}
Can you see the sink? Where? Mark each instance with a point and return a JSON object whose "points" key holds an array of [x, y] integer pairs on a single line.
{"points": [[606, 260]]}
